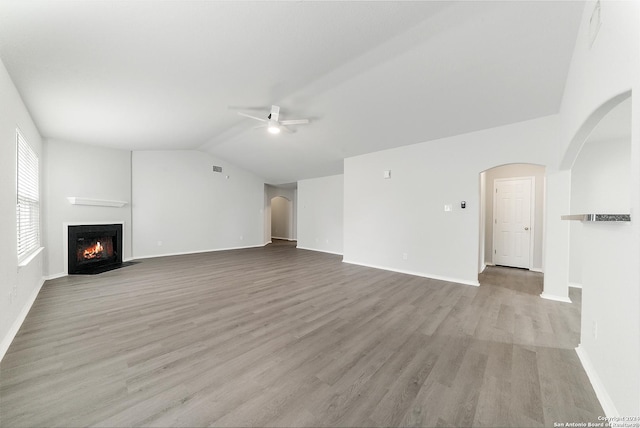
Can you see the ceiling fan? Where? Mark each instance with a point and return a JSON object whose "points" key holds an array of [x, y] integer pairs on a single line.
{"points": [[272, 123]]}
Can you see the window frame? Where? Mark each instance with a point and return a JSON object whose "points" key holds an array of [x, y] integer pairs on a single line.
{"points": [[27, 199]]}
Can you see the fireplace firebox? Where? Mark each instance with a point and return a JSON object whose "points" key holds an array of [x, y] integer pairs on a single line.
{"points": [[94, 248]]}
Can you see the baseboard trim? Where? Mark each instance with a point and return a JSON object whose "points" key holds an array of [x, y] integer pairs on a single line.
{"points": [[283, 239], [575, 285], [318, 250], [555, 298], [15, 327], [198, 252], [54, 276], [539, 270], [420, 274], [598, 387]]}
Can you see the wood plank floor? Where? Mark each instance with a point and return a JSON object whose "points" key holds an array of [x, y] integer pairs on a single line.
{"points": [[277, 336]]}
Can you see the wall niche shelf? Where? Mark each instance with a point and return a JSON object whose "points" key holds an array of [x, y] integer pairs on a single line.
{"points": [[74, 200], [598, 217]]}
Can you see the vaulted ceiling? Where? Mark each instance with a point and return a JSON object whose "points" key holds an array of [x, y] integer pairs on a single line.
{"points": [[159, 75]]}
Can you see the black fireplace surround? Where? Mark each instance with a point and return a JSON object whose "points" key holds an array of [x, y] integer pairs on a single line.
{"points": [[94, 248]]}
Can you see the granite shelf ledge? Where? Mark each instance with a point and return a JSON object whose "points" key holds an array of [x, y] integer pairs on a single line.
{"points": [[598, 217]]}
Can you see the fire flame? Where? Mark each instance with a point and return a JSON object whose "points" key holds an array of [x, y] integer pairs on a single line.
{"points": [[93, 252]]}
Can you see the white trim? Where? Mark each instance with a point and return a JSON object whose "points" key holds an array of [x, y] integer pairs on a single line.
{"points": [[75, 200], [283, 239], [153, 256], [575, 285], [423, 275], [483, 267], [319, 250], [30, 257], [11, 334], [598, 387], [555, 298], [536, 270], [62, 274]]}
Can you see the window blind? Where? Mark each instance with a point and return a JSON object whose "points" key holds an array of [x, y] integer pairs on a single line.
{"points": [[28, 201]]}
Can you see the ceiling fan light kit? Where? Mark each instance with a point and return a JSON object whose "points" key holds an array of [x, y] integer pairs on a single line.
{"points": [[273, 125], [273, 128]]}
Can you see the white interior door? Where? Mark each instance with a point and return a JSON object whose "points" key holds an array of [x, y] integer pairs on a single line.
{"points": [[512, 222]]}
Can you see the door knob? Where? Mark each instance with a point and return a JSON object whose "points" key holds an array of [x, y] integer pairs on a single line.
{"points": [[526, 228]]}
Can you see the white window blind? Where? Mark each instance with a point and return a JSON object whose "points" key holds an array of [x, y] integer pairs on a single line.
{"points": [[28, 203]]}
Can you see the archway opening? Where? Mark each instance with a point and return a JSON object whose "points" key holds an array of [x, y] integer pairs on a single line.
{"points": [[512, 198], [281, 218]]}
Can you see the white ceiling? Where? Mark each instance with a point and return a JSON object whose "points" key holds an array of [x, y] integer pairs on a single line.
{"points": [[145, 75]]}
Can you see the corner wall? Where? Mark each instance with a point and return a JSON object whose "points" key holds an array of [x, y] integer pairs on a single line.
{"points": [[386, 219], [320, 214], [600, 72], [90, 172], [18, 285], [181, 206]]}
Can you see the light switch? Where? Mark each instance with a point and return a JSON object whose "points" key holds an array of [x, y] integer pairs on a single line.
{"points": [[447, 207], [387, 173]]}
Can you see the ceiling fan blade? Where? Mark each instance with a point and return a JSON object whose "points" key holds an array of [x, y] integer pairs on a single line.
{"points": [[285, 129], [294, 122], [275, 112], [251, 108], [260, 126], [252, 117]]}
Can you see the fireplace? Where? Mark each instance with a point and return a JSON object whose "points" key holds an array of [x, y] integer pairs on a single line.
{"points": [[94, 248]]}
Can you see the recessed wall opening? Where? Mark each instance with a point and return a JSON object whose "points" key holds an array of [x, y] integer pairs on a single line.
{"points": [[511, 216], [281, 218]]}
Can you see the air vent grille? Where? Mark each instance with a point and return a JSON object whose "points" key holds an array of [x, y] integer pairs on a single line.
{"points": [[217, 168]]}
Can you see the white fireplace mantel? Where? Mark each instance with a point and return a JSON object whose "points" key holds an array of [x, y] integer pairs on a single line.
{"points": [[75, 200]]}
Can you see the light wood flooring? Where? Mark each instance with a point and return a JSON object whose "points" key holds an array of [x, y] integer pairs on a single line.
{"points": [[278, 336]]}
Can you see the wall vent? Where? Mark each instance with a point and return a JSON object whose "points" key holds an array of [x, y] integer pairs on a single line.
{"points": [[217, 168]]}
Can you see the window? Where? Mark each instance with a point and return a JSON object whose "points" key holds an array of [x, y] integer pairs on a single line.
{"points": [[28, 201]]}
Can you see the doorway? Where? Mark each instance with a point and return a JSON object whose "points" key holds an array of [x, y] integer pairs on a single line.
{"points": [[511, 229], [281, 218]]}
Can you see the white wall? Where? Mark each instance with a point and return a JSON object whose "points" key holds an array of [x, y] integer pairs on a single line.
{"points": [[281, 218], [320, 214], [181, 206], [27, 280], [90, 172], [610, 294], [387, 218], [511, 171], [291, 194], [600, 180], [600, 177]]}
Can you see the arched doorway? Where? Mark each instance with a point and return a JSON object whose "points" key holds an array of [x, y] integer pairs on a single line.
{"points": [[512, 216]]}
